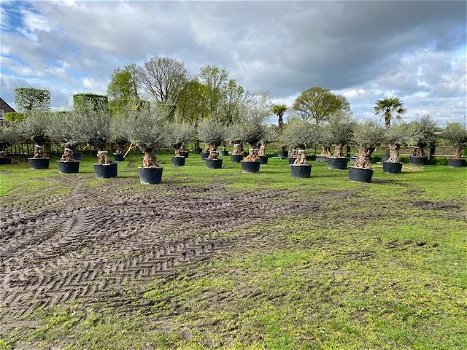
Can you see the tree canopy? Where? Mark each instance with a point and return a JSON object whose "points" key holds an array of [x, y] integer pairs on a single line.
{"points": [[317, 104]]}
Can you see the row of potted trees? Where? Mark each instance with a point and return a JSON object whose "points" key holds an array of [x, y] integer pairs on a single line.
{"points": [[148, 129]]}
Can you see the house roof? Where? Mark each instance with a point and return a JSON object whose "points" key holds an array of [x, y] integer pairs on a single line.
{"points": [[5, 106]]}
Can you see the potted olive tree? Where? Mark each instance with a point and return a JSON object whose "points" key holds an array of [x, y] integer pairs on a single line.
{"points": [[34, 127], [213, 133], [422, 134], [180, 134], [297, 135], [8, 137], [95, 124], [323, 139], [341, 128], [253, 131], [64, 129], [147, 130], [235, 137], [119, 137], [395, 136], [367, 136], [456, 136]]}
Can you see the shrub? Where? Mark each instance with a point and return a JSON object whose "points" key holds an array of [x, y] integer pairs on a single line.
{"points": [[8, 136], [13, 116]]}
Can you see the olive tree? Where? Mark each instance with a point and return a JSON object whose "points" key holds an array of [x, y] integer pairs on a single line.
{"points": [[422, 134], [8, 137], [396, 136], [341, 126], [65, 129], [298, 134], [147, 129], [366, 136], [34, 127], [456, 136], [213, 134], [180, 134]]}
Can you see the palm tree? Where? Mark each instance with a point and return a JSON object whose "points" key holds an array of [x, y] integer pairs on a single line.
{"points": [[387, 106], [279, 110]]}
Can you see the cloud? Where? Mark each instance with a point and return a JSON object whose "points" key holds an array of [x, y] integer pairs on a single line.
{"points": [[363, 49]]}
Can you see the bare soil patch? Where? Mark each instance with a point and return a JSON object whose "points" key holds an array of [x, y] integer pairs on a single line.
{"points": [[91, 245]]}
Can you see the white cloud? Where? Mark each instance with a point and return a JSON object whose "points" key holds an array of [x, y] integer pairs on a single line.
{"points": [[415, 51]]}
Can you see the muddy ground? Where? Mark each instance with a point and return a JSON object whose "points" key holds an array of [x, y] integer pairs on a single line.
{"points": [[93, 243]]}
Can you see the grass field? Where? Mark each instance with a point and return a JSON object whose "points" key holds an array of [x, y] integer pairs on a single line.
{"points": [[277, 263]]}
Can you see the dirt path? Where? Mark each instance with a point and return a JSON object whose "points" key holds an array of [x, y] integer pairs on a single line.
{"points": [[91, 245]]}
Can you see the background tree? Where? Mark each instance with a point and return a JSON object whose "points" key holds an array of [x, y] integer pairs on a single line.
{"points": [[233, 102], [318, 104], [28, 99], [123, 90], [87, 101], [193, 102], [215, 80], [389, 107], [163, 78], [279, 110]]}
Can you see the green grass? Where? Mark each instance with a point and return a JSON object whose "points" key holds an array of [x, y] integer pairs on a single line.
{"points": [[372, 271]]}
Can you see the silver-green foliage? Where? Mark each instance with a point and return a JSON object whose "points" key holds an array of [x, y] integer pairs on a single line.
{"points": [[341, 126], [8, 136], [65, 128], [298, 134], [456, 135], [29, 99], [212, 132], [34, 126], [368, 134], [324, 136], [93, 125], [181, 133], [147, 128], [397, 134], [422, 132]]}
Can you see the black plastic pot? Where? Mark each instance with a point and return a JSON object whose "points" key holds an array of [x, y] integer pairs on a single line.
{"points": [[392, 168], [68, 167], [456, 163], [291, 160], [214, 163], [321, 159], [282, 154], [338, 163], [150, 176], [203, 155], [184, 154], [119, 157], [360, 174], [301, 171], [250, 167], [415, 160], [77, 155], [105, 171], [39, 163], [263, 159], [224, 153], [178, 161], [5, 160], [236, 158]]}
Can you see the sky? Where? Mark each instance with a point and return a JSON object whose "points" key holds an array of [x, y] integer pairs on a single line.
{"points": [[364, 50]]}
